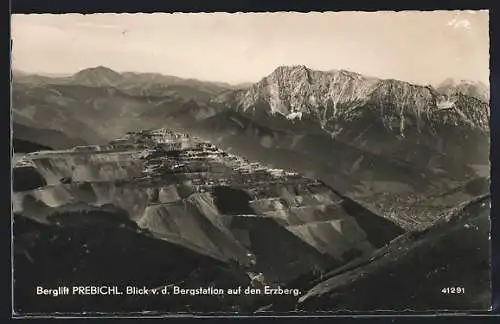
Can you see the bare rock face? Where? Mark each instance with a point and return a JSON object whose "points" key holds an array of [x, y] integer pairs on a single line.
{"points": [[297, 91], [335, 97]]}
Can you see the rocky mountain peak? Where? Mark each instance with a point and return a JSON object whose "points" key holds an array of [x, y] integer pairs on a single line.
{"points": [[294, 90], [289, 69], [477, 89], [336, 96]]}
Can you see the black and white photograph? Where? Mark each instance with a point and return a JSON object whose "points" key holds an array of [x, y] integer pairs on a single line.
{"points": [[250, 163]]}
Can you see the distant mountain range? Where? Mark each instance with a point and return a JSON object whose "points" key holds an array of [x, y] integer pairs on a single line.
{"points": [[380, 140], [146, 84]]}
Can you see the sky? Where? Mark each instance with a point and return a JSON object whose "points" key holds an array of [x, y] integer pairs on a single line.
{"points": [[418, 47]]}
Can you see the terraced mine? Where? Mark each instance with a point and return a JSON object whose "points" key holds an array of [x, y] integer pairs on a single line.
{"points": [[183, 193]]}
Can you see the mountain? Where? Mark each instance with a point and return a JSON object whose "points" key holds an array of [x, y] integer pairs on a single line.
{"points": [[131, 83], [99, 104], [23, 146], [158, 85], [18, 73], [445, 253], [94, 114], [47, 138], [97, 77], [170, 191], [36, 79], [380, 116], [451, 87], [335, 98], [386, 142]]}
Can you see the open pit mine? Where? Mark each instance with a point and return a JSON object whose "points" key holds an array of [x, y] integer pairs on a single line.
{"points": [[160, 209]]}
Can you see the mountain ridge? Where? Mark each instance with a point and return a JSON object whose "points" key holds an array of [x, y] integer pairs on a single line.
{"points": [[448, 82], [337, 95]]}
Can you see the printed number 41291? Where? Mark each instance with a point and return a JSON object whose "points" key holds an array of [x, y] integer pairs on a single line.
{"points": [[453, 290]]}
